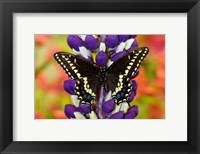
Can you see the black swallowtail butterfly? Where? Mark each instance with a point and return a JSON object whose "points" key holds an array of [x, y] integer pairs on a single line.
{"points": [[114, 78]]}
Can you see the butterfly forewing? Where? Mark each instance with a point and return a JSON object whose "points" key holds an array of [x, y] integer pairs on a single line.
{"points": [[75, 66]]}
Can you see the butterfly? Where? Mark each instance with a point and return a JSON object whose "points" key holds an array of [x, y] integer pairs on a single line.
{"points": [[89, 76]]}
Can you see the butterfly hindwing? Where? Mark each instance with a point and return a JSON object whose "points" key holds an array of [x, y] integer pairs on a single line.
{"points": [[123, 90], [84, 92]]}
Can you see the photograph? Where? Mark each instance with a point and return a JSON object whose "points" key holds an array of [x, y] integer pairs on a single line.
{"points": [[99, 76]]}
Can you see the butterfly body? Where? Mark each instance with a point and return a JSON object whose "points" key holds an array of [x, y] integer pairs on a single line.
{"points": [[102, 78], [115, 78]]}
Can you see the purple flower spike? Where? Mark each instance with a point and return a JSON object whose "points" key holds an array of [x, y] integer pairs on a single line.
{"points": [[118, 115], [132, 112], [135, 75], [123, 38], [84, 108], [130, 115], [111, 41], [133, 108], [131, 96], [133, 36], [69, 86], [101, 58], [108, 106], [118, 55], [69, 110], [134, 83], [133, 46], [75, 42], [92, 43]]}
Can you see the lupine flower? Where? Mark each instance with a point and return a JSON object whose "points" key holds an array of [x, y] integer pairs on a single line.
{"points": [[123, 38], [69, 86], [133, 46], [118, 115], [105, 107], [84, 108], [111, 41], [101, 58], [86, 54], [108, 106], [119, 48], [70, 110], [118, 55], [92, 43], [131, 96], [133, 108], [131, 113], [124, 107], [102, 38], [134, 85], [132, 36], [74, 41]]}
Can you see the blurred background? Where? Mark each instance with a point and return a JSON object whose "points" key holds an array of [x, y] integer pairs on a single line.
{"points": [[50, 96]]}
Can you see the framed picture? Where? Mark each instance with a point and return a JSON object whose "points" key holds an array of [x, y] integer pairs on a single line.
{"points": [[99, 76]]}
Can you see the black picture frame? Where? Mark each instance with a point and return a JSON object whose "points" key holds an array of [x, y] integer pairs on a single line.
{"points": [[8, 7]]}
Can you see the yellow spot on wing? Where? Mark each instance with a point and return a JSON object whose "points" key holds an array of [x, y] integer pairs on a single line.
{"points": [[78, 74], [129, 67]]}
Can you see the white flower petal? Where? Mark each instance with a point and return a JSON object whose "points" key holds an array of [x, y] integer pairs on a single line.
{"points": [[95, 36], [117, 108], [103, 37], [120, 47], [108, 96], [102, 47], [124, 107], [93, 115], [78, 115], [84, 52], [83, 37], [112, 49], [129, 42], [75, 100], [109, 63], [75, 51]]}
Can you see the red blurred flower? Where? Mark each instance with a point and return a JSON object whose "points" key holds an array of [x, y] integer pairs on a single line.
{"points": [[39, 115], [42, 80], [156, 112], [52, 50], [41, 39], [59, 114]]}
